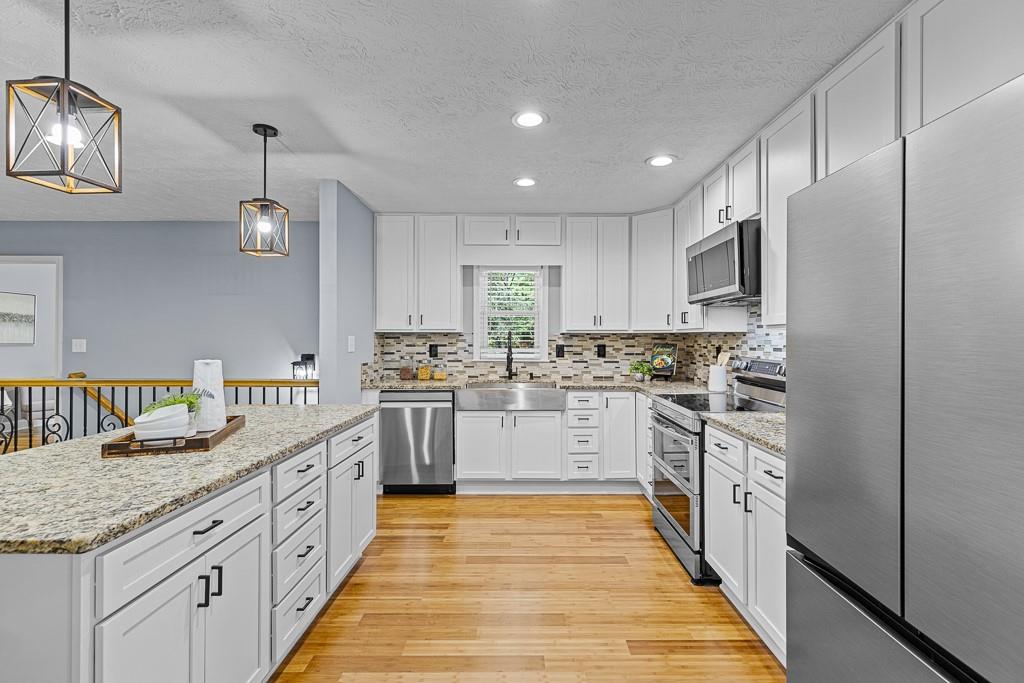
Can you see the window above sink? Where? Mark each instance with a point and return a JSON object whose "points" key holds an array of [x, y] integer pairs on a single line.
{"points": [[510, 299]]}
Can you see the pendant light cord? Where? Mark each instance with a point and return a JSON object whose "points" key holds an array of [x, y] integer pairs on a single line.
{"points": [[67, 40], [264, 165]]}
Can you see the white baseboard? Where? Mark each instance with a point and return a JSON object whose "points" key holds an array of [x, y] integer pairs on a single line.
{"points": [[478, 487]]}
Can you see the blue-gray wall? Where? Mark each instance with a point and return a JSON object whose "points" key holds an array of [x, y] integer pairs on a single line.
{"points": [[151, 297]]}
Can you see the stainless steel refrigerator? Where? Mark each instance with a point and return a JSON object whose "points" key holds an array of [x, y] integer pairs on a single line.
{"points": [[905, 418]]}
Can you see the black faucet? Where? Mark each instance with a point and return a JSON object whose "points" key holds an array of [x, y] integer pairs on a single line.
{"points": [[509, 373]]}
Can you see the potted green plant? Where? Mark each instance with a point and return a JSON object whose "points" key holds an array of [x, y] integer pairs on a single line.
{"points": [[190, 399], [641, 370]]}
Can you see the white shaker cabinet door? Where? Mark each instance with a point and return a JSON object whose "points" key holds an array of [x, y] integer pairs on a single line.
{"points": [[341, 544], [394, 249], [535, 450], [538, 231], [438, 287], [613, 273], [725, 526], [688, 230], [618, 435], [161, 633], [744, 183], [787, 158], [651, 291], [579, 284], [485, 231], [480, 445], [238, 618], [856, 106], [766, 561], [364, 499], [716, 192]]}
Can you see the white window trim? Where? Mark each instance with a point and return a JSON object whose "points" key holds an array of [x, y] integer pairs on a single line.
{"points": [[542, 317]]}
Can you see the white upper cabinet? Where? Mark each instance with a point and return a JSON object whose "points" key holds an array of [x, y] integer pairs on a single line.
{"points": [[957, 50], [689, 228], [595, 285], [856, 105], [651, 290], [417, 274], [716, 193], [438, 287], [538, 231], [486, 230], [744, 183], [394, 276], [787, 167]]}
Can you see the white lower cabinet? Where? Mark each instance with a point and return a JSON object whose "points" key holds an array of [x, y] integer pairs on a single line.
{"points": [[341, 544], [535, 445], [618, 434], [745, 536], [364, 498], [480, 445], [508, 445]]}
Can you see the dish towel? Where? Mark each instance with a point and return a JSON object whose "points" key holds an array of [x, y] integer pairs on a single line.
{"points": [[208, 382]]}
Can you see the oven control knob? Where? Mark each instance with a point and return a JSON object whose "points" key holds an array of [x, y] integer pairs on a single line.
{"points": [[782, 370]]}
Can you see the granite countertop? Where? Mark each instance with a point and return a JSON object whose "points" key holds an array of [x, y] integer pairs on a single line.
{"points": [[64, 498], [625, 384], [764, 429]]}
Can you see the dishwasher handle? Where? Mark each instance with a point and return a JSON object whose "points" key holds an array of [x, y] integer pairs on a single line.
{"points": [[417, 405]]}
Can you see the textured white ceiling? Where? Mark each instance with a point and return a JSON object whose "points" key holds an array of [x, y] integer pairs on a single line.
{"points": [[408, 102]]}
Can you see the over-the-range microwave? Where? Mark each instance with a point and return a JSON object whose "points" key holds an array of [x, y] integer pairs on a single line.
{"points": [[725, 267]]}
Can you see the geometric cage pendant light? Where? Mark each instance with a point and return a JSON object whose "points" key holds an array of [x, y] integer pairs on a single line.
{"points": [[62, 135], [262, 222]]}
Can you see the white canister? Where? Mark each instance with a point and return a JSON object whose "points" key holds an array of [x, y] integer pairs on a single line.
{"points": [[716, 379], [208, 382]]}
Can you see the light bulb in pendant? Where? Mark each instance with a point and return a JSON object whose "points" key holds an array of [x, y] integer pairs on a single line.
{"points": [[74, 136], [264, 225]]}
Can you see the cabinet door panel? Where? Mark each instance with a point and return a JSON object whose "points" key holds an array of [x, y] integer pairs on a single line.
{"points": [[479, 445], [160, 633], [580, 275], [688, 230], [724, 537], [651, 293], [364, 499], [744, 182], [536, 445], [538, 231], [618, 438], [393, 295], [856, 107], [766, 562], [957, 50], [437, 268], [485, 230], [716, 189], [788, 166], [238, 620], [613, 273], [341, 544]]}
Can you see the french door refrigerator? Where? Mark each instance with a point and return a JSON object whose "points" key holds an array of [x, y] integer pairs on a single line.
{"points": [[905, 416]]}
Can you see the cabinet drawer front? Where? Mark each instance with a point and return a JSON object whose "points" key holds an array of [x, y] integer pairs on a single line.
{"points": [[584, 400], [584, 441], [127, 571], [298, 470], [767, 469], [725, 447], [294, 512], [583, 467], [293, 558], [297, 611], [584, 418], [350, 441]]}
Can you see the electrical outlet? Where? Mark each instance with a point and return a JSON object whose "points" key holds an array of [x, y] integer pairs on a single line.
{"points": [[602, 351], [559, 350], [78, 346], [432, 350]]}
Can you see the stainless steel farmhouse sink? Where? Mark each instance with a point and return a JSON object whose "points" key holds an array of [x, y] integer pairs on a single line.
{"points": [[510, 396]]}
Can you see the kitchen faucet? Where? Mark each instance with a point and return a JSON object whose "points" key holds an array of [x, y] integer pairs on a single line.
{"points": [[509, 372]]}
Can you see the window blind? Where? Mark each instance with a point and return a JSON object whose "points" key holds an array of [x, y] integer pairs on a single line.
{"points": [[511, 302]]}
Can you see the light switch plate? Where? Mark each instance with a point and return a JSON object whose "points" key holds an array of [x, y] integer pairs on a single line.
{"points": [[77, 346], [351, 343]]}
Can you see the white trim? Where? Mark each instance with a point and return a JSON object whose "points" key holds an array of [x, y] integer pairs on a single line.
{"points": [[560, 488], [58, 261], [541, 330]]}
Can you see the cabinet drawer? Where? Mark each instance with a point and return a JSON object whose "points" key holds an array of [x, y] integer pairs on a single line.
{"points": [[583, 418], [129, 570], [298, 470], [583, 467], [584, 441], [291, 514], [767, 469], [293, 558], [725, 447], [584, 400], [351, 440], [292, 617]]}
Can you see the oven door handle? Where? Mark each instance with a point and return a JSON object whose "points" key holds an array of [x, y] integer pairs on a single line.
{"points": [[671, 476], [676, 433]]}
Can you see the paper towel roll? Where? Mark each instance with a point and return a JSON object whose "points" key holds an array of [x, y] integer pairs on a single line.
{"points": [[208, 382], [716, 379]]}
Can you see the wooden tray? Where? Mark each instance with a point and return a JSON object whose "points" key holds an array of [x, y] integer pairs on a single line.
{"points": [[128, 446]]}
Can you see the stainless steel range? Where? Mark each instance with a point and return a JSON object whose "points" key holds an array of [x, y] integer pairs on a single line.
{"points": [[759, 385]]}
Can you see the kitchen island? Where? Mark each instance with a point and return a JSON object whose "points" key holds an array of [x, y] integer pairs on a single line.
{"points": [[190, 566]]}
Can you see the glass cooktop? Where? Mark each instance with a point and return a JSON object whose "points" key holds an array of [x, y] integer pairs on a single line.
{"points": [[703, 403]]}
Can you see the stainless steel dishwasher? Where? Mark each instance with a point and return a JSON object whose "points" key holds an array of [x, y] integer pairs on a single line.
{"points": [[417, 441]]}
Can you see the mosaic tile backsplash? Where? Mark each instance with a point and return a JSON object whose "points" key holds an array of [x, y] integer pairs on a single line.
{"points": [[696, 352]]}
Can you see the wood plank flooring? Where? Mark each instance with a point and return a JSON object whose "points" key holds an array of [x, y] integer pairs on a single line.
{"points": [[529, 589]]}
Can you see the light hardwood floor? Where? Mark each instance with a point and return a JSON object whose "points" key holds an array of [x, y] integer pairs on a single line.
{"points": [[525, 589]]}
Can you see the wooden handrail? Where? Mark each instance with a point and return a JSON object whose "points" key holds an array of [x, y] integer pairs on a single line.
{"points": [[103, 401], [81, 383]]}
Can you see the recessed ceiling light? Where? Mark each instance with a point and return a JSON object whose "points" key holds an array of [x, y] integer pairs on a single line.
{"points": [[660, 160], [529, 119], [524, 182]]}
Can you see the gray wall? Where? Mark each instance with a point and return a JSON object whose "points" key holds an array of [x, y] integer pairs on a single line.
{"points": [[151, 297], [346, 291]]}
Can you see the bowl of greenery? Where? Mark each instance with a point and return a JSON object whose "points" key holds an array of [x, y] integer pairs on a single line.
{"points": [[641, 370], [189, 399]]}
